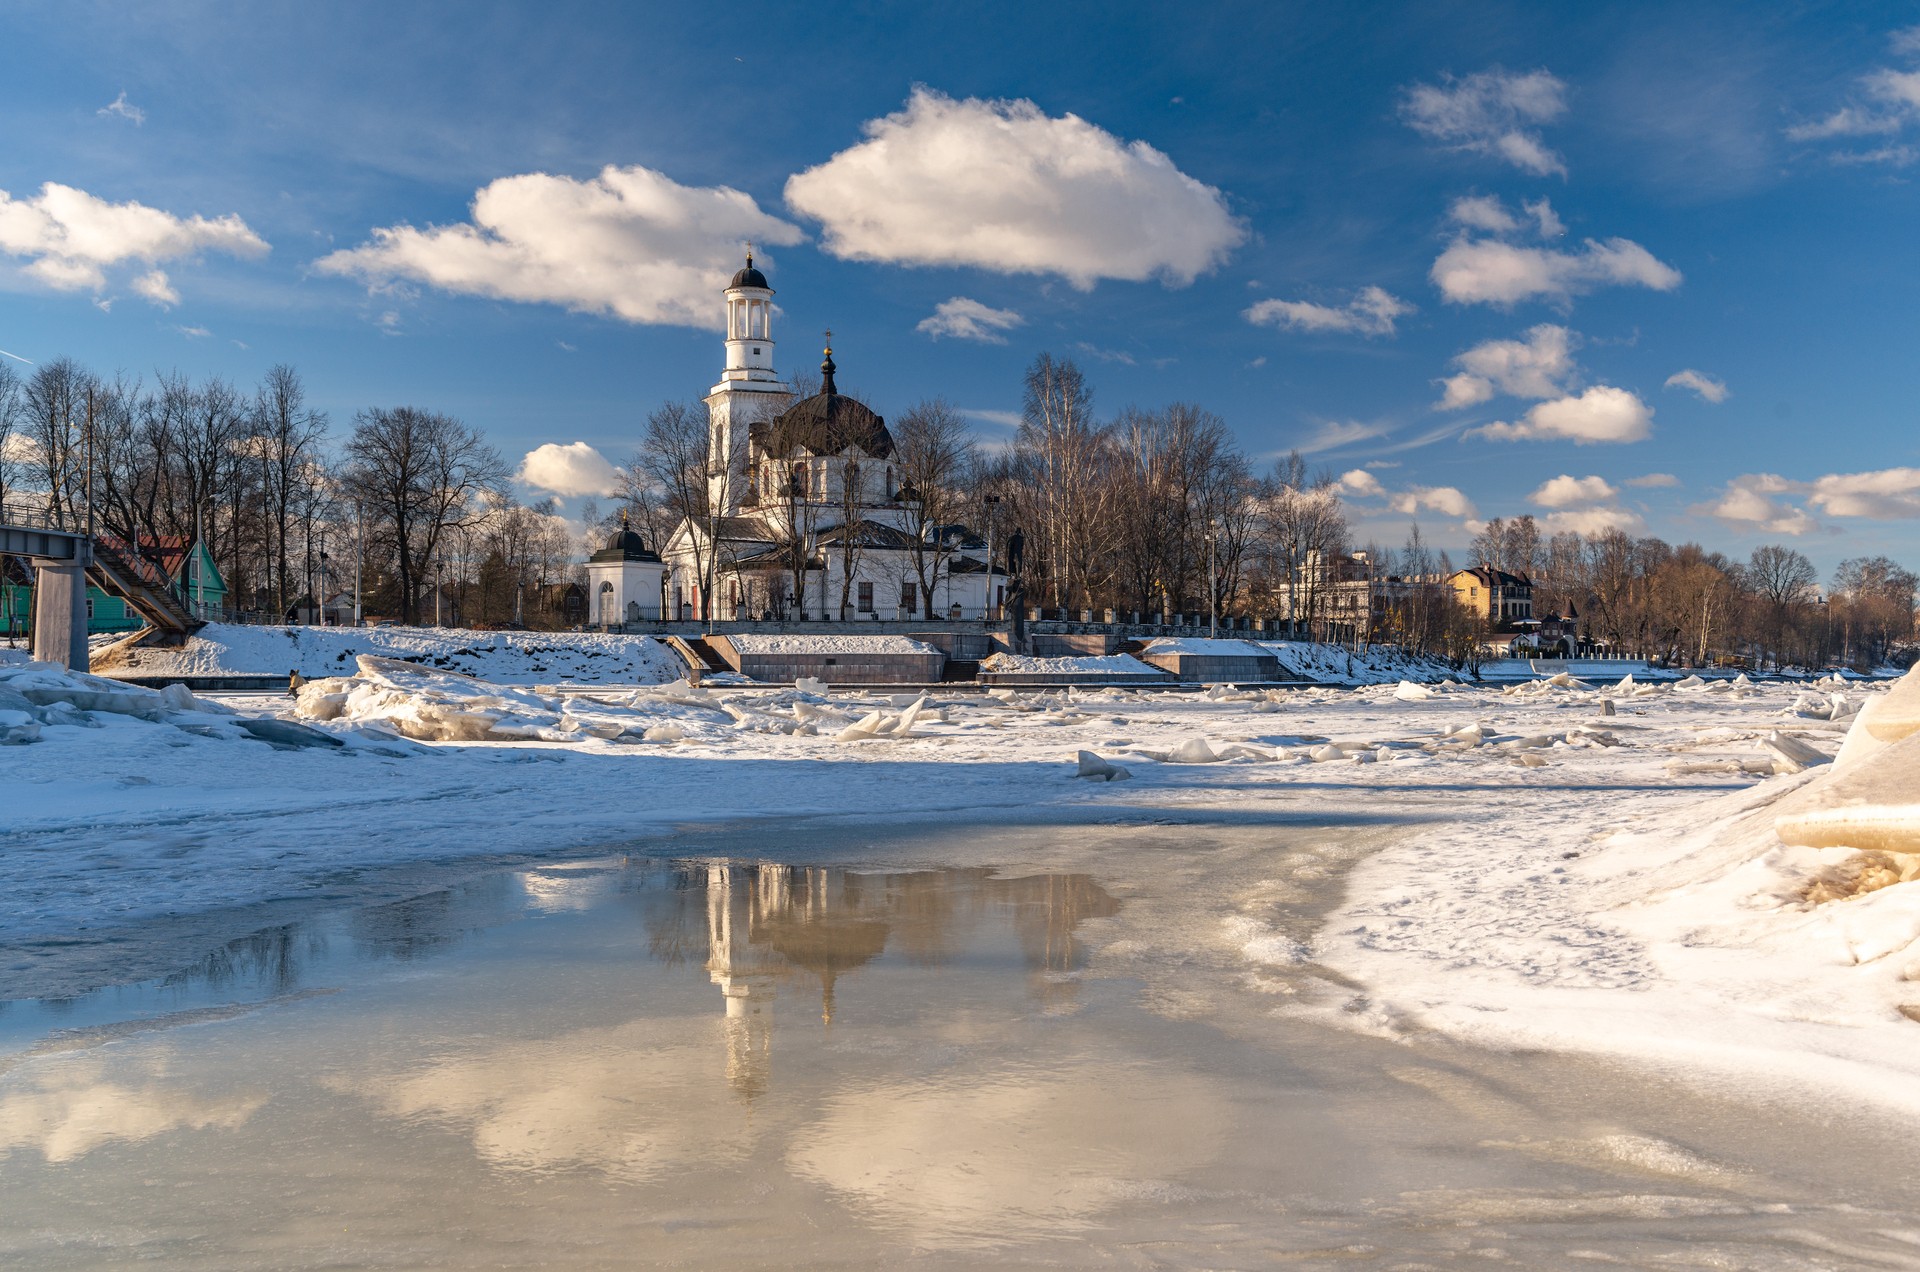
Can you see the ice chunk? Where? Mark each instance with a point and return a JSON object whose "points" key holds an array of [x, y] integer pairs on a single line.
{"points": [[807, 684], [1897, 715], [17, 728], [285, 734], [1193, 751], [1100, 769], [1790, 754], [667, 732], [1872, 806], [1407, 691]]}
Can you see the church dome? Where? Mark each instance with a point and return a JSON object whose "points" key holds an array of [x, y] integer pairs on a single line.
{"points": [[625, 544], [826, 423], [749, 276]]}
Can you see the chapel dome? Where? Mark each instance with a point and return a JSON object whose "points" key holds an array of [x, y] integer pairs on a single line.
{"points": [[827, 423], [625, 544]]}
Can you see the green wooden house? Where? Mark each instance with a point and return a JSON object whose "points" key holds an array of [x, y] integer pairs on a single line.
{"points": [[189, 568]]}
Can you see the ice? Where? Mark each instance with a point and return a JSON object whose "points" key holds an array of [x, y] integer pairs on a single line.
{"points": [[1194, 751], [807, 684], [1407, 691], [1099, 769], [1791, 755], [1897, 715], [1871, 805]]}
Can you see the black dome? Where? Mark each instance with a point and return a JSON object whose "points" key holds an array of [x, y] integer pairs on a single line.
{"points": [[749, 277], [625, 544], [826, 424]]}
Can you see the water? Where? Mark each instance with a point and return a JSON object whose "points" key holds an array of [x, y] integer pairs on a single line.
{"points": [[730, 1059]]}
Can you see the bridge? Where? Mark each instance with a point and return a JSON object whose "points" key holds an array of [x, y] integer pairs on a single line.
{"points": [[64, 562]]}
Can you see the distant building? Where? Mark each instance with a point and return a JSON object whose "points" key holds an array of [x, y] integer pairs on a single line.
{"points": [[1504, 600], [187, 568], [625, 581]]}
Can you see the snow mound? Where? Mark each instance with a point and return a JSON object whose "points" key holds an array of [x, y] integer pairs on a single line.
{"points": [[830, 644], [1207, 646], [524, 658], [1090, 664]]}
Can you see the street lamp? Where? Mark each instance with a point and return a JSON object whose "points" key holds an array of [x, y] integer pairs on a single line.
{"points": [[1213, 591], [439, 577], [986, 610]]}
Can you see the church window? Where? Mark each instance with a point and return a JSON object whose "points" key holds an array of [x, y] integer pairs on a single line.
{"points": [[906, 597], [866, 598]]}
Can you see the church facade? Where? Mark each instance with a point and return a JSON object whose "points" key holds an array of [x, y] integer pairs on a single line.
{"points": [[809, 516]]}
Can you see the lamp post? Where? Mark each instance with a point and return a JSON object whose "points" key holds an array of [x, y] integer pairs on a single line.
{"points": [[1213, 591], [993, 506], [359, 556], [439, 577], [320, 600]]}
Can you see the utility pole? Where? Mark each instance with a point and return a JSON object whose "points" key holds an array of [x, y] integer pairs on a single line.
{"points": [[439, 576]]}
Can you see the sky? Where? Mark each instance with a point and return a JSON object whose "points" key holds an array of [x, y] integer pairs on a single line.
{"points": [[1650, 266]]}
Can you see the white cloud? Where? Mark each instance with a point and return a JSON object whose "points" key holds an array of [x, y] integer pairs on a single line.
{"points": [[1544, 217], [70, 238], [1593, 521], [1600, 414], [1005, 419], [1371, 312], [155, 287], [631, 243], [123, 109], [1753, 500], [1889, 494], [1121, 356], [1495, 272], [1709, 389], [999, 185], [1654, 480], [1483, 212], [571, 469], [1445, 500], [1361, 484], [1538, 367], [20, 449], [1334, 434], [1887, 104], [1495, 113], [194, 333], [1565, 491], [966, 319]]}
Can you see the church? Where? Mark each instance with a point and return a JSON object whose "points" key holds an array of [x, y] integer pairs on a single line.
{"points": [[808, 516]]}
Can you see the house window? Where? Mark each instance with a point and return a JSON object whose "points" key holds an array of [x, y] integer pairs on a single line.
{"points": [[906, 597], [866, 598]]}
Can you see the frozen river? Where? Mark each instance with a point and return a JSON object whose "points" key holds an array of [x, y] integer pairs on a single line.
{"points": [[967, 1046]]}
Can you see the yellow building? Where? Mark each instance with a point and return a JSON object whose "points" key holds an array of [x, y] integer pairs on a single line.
{"points": [[1504, 600]]}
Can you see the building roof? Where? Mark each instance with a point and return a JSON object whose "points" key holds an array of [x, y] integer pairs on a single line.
{"points": [[1492, 578], [625, 545], [870, 534], [828, 423]]}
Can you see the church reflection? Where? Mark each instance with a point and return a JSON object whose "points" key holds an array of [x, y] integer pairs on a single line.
{"points": [[767, 924]]}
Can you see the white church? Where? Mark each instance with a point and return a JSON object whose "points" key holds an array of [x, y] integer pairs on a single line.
{"points": [[808, 517]]}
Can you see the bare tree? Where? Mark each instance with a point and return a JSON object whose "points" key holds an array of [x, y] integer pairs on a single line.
{"points": [[1783, 580], [933, 453], [14, 446], [56, 414], [1061, 447], [418, 473], [287, 437]]}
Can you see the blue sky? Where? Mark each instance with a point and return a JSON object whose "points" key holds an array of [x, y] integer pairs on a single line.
{"points": [[1469, 246]]}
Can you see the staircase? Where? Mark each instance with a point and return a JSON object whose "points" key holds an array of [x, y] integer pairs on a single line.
{"points": [[140, 584], [708, 654]]}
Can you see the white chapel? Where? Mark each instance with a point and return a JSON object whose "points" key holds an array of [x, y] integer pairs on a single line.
{"points": [[808, 517]]}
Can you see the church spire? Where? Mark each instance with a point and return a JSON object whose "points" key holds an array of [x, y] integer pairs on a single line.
{"points": [[827, 368]]}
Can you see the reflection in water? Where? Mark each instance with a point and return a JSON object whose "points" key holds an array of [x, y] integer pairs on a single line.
{"points": [[68, 1107], [765, 921]]}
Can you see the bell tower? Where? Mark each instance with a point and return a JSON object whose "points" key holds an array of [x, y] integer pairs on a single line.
{"points": [[747, 385]]}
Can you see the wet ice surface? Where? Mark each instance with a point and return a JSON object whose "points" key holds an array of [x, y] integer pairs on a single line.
{"points": [[731, 1058]]}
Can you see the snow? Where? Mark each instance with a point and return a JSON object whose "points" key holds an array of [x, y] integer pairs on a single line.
{"points": [[1338, 665], [830, 644], [1546, 876], [1206, 646], [515, 658], [1084, 665]]}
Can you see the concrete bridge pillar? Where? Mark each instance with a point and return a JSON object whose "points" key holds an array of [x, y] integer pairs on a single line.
{"points": [[60, 614]]}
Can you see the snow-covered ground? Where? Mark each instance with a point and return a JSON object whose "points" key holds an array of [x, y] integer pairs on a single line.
{"points": [[1338, 665], [830, 643], [1570, 866], [514, 658], [1082, 665]]}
